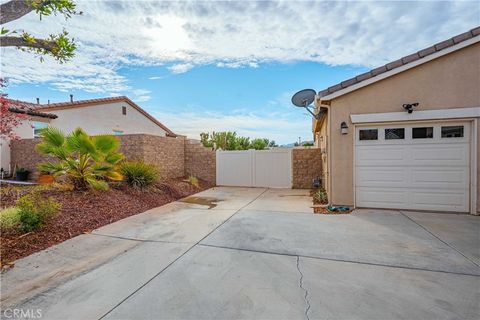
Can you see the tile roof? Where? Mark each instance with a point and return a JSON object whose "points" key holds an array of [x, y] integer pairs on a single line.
{"points": [[91, 102], [402, 61]]}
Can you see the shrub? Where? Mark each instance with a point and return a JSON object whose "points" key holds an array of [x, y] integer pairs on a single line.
{"points": [[139, 174], [9, 218], [193, 180], [33, 211], [87, 161], [321, 196]]}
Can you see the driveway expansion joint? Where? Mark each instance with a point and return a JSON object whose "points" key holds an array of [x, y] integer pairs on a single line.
{"points": [[438, 238], [340, 260], [305, 297]]}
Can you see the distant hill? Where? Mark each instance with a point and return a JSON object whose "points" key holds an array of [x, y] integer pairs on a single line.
{"points": [[293, 144]]}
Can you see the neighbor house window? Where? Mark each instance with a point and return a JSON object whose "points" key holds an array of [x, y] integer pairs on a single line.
{"points": [[394, 134], [422, 133], [452, 132], [368, 134], [117, 132], [37, 127], [124, 110]]}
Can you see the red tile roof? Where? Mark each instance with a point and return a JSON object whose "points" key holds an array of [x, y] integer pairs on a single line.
{"points": [[402, 61]]}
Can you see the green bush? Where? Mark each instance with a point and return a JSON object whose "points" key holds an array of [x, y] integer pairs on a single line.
{"points": [[139, 174], [9, 218], [33, 210], [87, 161], [193, 180], [321, 196]]}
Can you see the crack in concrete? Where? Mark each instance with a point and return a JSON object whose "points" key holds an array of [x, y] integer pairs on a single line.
{"points": [[137, 239], [305, 297]]}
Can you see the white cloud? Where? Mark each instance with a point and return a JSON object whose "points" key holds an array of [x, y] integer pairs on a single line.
{"points": [[156, 78], [283, 127], [180, 68], [141, 95], [182, 35]]}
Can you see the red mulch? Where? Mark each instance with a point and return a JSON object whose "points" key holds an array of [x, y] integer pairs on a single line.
{"points": [[324, 210], [84, 211]]}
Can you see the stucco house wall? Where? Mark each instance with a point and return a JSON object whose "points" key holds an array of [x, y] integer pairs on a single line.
{"points": [[105, 119], [450, 81]]}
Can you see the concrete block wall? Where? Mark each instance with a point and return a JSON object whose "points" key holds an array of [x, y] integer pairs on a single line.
{"points": [[169, 154], [200, 161], [165, 152], [306, 166]]}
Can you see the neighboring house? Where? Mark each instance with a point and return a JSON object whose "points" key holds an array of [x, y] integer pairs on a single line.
{"points": [[24, 130], [116, 115], [385, 157]]}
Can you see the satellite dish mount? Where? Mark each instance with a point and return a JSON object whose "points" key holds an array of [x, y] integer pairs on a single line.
{"points": [[304, 99]]}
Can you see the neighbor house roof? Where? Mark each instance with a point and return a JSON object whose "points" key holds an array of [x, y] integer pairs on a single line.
{"points": [[399, 65], [92, 102], [34, 113]]}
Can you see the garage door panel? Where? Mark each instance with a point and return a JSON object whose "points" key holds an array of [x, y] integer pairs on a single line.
{"points": [[381, 155], [449, 154], [436, 200], [382, 197], [382, 176], [440, 177]]}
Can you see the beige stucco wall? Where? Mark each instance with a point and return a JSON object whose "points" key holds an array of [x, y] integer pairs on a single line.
{"points": [[451, 81], [104, 119]]}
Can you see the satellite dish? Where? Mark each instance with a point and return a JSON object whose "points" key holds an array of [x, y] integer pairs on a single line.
{"points": [[304, 98]]}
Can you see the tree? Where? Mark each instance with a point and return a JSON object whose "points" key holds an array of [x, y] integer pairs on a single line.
{"points": [[243, 143], [272, 144], [87, 161], [259, 144], [228, 140], [9, 120], [59, 46]]}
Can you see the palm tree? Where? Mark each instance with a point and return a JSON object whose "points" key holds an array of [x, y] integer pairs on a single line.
{"points": [[86, 161]]}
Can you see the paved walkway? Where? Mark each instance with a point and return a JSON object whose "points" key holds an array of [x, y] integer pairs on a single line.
{"points": [[231, 253]]}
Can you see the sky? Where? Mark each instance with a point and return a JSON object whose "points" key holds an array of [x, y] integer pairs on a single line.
{"points": [[226, 65]]}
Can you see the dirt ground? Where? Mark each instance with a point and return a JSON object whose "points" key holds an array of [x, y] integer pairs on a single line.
{"points": [[84, 211]]}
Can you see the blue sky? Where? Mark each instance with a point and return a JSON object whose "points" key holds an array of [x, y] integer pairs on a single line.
{"points": [[204, 66]]}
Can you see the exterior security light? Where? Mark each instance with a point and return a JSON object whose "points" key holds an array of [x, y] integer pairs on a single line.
{"points": [[409, 106], [344, 127]]}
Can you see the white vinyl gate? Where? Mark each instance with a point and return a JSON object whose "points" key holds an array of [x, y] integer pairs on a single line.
{"points": [[255, 168]]}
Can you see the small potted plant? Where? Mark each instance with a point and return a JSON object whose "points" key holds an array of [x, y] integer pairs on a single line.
{"points": [[22, 174]]}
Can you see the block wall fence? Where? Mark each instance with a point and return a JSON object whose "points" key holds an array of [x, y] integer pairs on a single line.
{"points": [[176, 157]]}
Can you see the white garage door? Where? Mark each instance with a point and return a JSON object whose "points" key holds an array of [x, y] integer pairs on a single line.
{"points": [[419, 167]]}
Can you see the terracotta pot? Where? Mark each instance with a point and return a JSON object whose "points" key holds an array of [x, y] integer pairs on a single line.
{"points": [[45, 179]]}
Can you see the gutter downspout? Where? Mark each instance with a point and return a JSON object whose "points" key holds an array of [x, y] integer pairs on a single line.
{"points": [[320, 104]]}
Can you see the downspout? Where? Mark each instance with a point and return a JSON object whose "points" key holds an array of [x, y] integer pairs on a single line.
{"points": [[319, 105]]}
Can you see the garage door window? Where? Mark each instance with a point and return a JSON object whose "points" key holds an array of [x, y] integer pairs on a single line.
{"points": [[368, 134], [452, 132], [394, 134], [422, 133]]}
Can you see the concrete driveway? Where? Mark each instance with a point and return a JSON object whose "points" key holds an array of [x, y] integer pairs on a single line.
{"points": [[242, 253]]}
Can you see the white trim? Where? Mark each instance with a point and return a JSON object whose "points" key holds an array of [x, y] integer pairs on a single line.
{"points": [[405, 67], [439, 114], [473, 168]]}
